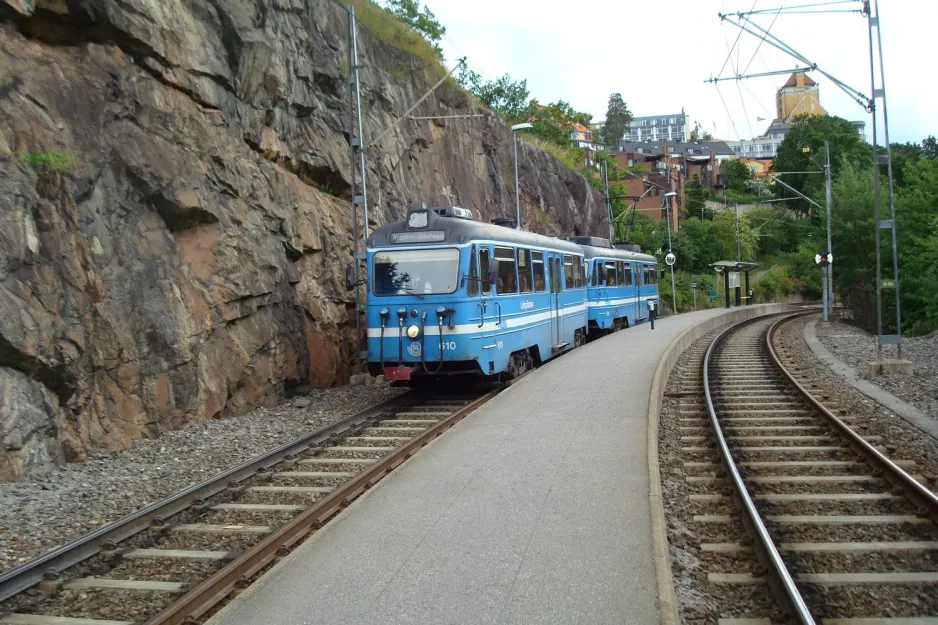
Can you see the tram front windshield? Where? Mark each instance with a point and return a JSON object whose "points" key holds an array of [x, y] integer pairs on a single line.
{"points": [[419, 272]]}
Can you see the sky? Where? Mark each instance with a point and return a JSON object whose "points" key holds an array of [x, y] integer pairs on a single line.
{"points": [[658, 53]]}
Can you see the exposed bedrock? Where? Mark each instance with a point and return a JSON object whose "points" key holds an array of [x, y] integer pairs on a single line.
{"points": [[174, 207]]}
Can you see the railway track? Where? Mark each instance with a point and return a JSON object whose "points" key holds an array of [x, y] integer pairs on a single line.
{"points": [[838, 531], [176, 561]]}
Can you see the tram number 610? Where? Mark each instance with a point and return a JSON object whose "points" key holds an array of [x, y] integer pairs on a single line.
{"points": [[449, 346]]}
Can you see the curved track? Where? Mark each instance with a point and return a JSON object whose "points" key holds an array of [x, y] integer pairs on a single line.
{"points": [[176, 560], [841, 531]]}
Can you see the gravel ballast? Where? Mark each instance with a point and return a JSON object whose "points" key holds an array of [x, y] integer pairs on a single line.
{"points": [[43, 512], [907, 441], [856, 348]]}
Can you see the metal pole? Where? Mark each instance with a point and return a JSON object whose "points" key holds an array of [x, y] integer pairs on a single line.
{"points": [[673, 290], [353, 81], [879, 260], [829, 196], [824, 290], [358, 115], [608, 203], [517, 193], [737, 232], [892, 202]]}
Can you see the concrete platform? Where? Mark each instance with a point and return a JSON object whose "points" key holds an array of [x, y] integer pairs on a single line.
{"points": [[510, 518]]}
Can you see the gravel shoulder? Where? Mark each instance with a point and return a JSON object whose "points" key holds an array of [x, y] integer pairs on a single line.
{"points": [[40, 513], [856, 348], [906, 441]]}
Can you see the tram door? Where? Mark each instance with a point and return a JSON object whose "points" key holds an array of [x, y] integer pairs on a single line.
{"points": [[556, 303], [641, 308]]}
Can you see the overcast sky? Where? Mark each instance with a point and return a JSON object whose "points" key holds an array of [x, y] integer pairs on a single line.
{"points": [[657, 53]]}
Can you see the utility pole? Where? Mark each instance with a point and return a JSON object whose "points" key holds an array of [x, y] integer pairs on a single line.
{"points": [[608, 203], [667, 198], [357, 156], [881, 159], [737, 233], [829, 270]]}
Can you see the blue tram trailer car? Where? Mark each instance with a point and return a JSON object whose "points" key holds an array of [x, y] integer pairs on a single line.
{"points": [[621, 283], [449, 295]]}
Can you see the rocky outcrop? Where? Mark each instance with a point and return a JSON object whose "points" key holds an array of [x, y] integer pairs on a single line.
{"points": [[174, 202]]}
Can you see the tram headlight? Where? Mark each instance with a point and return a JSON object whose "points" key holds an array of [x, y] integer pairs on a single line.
{"points": [[413, 331]]}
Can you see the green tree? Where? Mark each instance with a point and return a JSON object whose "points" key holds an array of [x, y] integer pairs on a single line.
{"points": [[852, 236], [503, 95], [736, 174], [803, 150], [696, 201], [930, 148], [419, 18], [554, 122], [917, 231], [618, 117], [904, 155]]}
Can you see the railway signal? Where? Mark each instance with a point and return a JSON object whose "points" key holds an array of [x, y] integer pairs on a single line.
{"points": [[824, 258]]}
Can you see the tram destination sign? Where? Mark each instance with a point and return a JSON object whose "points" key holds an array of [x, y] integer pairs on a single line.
{"points": [[424, 236]]}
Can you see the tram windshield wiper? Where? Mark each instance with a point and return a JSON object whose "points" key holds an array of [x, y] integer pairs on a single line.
{"points": [[412, 292]]}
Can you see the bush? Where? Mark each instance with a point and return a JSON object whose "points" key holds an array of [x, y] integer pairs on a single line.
{"points": [[685, 296], [45, 163]]}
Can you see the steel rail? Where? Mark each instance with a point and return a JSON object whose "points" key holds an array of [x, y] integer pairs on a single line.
{"points": [[50, 564], [926, 500], [213, 591], [780, 580]]}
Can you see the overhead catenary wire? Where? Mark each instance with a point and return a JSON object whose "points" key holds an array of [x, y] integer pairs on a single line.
{"points": [[729, 55], [763, 38]]}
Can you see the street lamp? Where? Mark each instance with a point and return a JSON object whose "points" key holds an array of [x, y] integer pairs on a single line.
{"points": [[515, 130], [667, 209]]}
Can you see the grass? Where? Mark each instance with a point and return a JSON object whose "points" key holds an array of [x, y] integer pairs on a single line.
{"points": [[565, 155], [45, 163], [387, 28]]}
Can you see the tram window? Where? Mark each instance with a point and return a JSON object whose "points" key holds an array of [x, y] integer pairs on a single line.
{"points": [[472, 282], [594, 278], [537, 260], [577, 272], [507, 272], [600, 272], [653, 273], [611, 274], [424, 272], [638, 275], [525, 279], [484, 270], [568, 271], [627, 273], [622, 279]]}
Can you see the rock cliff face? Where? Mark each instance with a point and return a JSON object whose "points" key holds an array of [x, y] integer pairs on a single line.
{"points": [[174, 203]]}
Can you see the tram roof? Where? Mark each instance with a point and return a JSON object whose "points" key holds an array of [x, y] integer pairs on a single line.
{"points": [[611, 252], [458, 230]]}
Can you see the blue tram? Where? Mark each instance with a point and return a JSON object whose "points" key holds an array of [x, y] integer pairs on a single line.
{"points": [[449, 295], [621, 284]]}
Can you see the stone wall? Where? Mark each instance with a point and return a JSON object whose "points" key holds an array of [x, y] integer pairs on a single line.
{"points": [[174, 202]]}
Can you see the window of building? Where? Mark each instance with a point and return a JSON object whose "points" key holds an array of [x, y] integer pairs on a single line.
{"points": [[525, 276], [507, 270], [472, 288], [537, 260], [484, 270], [568, 271], [630, 162]]}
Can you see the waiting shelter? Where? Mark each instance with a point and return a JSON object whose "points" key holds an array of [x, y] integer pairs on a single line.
{"points": [[731, 270]]}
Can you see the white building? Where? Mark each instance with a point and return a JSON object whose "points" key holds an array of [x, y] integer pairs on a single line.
{"points": [[675, 127], [763, 147]]}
